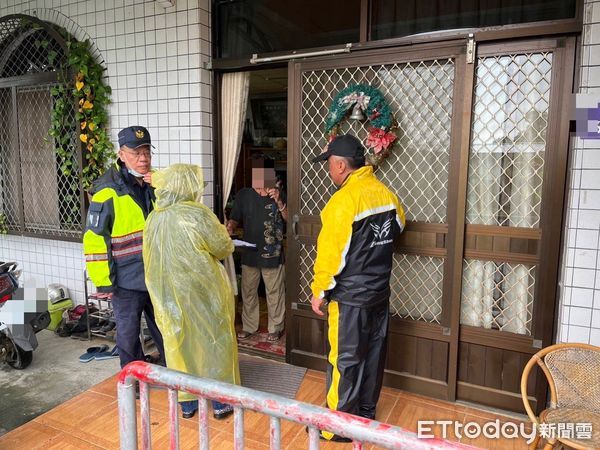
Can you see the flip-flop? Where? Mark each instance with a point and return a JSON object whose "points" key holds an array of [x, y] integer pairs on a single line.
{"points": [[91, 352], [114, 353]]}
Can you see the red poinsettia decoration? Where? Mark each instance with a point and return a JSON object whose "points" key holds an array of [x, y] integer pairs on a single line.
{"points": [[379, 139]]}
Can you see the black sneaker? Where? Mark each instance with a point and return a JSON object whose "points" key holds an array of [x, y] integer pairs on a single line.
{"points": [[221, 414], [108, 327], [334, 438], [188, 414]]}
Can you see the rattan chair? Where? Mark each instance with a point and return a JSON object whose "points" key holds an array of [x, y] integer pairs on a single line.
{"points": [[573, 374]]}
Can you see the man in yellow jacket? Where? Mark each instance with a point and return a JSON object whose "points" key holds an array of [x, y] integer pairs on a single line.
{"points": [[352, 277], [112, 242]]}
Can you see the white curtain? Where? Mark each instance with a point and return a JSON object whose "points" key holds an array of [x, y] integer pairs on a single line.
{"points": [[234, 99], [478, 284]]}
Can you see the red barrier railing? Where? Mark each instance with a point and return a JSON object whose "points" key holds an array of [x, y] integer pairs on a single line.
{"points": [[316, 418]]}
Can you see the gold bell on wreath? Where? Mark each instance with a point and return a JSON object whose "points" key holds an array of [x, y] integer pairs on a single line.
{"points": [[357, 113]]}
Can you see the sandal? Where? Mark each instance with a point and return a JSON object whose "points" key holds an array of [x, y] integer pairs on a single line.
{"points": [[272, 337], [91, 353], [244, 334]]}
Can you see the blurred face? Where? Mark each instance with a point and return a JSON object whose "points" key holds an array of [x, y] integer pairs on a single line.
{"points": [[263, 178], [138, 159]]}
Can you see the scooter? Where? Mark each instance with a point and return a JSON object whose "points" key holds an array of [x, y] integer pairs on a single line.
{"points": [[18, 341]]}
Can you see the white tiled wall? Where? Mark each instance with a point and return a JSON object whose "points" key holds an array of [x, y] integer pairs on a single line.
{"points": [[154, 59], [580, 292]]}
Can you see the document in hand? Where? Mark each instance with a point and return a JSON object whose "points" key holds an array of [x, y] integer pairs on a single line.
{"points": [[240, 243]]}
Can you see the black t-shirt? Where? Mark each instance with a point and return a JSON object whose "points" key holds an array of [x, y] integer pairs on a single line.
{"points": [[263, 226]]}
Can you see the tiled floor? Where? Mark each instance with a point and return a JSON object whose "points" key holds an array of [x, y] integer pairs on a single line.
{"points": [[90, 420]]}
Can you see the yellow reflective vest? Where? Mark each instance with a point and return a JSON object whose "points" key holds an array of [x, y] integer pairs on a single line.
{"points": [[112, 242], [355, 245]]}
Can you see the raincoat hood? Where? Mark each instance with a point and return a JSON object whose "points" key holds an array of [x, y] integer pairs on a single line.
{"points": [[178, 183]]}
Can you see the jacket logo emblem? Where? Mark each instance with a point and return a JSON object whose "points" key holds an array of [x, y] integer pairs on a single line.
{"points": [[381, 232]]}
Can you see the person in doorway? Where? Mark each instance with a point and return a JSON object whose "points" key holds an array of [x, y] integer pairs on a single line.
{"points": [[262, 211], [190, 290], [122, 198], [352, 277]]}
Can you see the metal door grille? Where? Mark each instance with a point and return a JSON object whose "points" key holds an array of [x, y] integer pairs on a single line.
{"points": [[505, 181], [498, 296], [306, 263], [417, 170], [510, 118], [416, 284]]}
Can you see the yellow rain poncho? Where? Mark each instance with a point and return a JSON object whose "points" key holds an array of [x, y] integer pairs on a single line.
{"points": [[189, 288]]}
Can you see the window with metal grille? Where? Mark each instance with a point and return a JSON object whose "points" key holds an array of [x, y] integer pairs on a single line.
{"points": [[35, 196]]}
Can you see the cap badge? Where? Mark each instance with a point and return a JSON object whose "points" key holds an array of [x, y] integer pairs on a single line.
{"points": [[139, 134]]}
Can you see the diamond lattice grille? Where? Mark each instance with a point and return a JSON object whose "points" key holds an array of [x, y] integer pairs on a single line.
{"points": [[420, 94], [10, 172], [36, 197], [27, 49], [498, 296], [50, 200], [416, 284], [307, 255], [508, 140]]}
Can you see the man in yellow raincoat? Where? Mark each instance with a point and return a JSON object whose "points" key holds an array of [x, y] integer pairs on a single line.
{"points": [[189, 288]]}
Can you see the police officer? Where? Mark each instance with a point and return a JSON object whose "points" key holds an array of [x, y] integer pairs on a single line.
{"points": [[112, 243]]}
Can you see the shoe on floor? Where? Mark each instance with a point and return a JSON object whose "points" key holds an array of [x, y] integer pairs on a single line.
{"points": [[114, 353], [334, 437], [154, 358], [91, 353], [221, 414], [108, 327], [188, 414], [244, 334], [273, 337]]}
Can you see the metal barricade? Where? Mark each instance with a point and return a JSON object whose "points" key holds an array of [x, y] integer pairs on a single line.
{"points": [[316, 418]]}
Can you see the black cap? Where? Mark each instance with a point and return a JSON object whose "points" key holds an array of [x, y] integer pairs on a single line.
{"points": [[134, 137], [345, 145]]}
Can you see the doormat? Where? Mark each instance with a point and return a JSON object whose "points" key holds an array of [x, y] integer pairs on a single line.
{"points": [[270, 376], [258, 341]]}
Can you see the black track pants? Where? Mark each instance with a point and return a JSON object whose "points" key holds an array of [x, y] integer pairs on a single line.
{"points": [[356, 340]]}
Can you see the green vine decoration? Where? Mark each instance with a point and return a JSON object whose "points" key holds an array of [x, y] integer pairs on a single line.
{"points": [[81, 83], [3, 224]]}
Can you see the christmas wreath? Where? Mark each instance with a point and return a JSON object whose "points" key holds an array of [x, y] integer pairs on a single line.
{"points": [[368, 100]]}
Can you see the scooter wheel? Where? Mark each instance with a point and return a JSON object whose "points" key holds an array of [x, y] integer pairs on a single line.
{"points": [[21, 359]]}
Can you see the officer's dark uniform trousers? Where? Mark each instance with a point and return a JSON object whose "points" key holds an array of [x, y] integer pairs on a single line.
{"points": [[128, 307], [357, 339]]}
